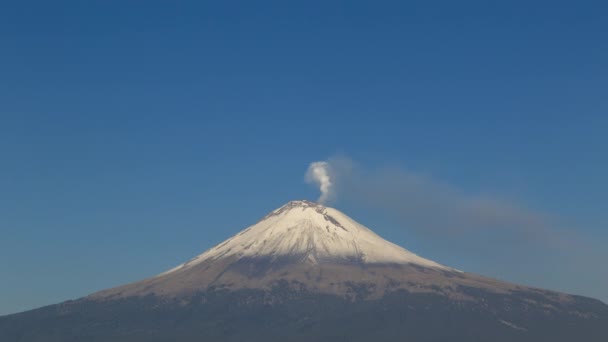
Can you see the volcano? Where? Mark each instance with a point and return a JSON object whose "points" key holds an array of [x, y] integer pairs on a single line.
{"points": [[307, 272]]}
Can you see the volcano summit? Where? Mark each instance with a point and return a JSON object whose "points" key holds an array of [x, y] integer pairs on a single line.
{"points": [[309, 272]]}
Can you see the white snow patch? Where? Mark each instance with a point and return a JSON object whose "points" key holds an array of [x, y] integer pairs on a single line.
{"points": [[509, 324]]}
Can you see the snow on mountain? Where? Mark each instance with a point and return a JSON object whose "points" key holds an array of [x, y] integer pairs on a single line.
{"points": [[312, 247], [312, 233]]}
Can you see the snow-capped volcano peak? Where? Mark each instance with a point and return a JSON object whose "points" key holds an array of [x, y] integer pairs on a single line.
{"points": [[304, 231]]}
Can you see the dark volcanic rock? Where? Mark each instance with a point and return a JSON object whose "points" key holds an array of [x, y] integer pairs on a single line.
{"points": [[285, 314]]}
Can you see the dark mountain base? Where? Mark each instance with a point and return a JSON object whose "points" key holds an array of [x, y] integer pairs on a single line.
{"points": [[285, 314]]}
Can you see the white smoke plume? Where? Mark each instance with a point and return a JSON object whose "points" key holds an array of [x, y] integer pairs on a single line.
{"points": [[319, 173]]}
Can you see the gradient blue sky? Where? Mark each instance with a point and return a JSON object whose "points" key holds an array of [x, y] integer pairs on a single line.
{"points": [[136, 134]]}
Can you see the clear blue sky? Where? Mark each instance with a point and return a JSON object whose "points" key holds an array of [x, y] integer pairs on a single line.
{"points": [[136, 134]]}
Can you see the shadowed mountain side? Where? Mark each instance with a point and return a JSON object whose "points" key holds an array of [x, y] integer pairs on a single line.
{"points": [[283, 313]]}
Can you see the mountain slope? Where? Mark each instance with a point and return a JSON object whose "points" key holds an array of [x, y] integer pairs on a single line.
{"points": [[308, 272], [315, 247]]}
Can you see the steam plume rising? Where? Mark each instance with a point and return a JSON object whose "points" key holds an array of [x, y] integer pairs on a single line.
{"points": [[319, 173]]}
